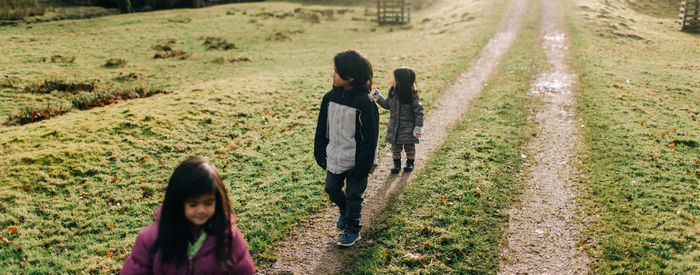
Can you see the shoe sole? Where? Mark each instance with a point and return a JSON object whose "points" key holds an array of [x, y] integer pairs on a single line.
{"points": [[349, 244]]}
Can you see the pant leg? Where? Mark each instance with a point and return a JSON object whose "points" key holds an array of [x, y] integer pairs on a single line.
{"points": [[396, 151], [334, 188], [410, 151], [354, 189]]}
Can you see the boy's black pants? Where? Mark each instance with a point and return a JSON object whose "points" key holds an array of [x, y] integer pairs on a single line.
{"points": [[349, 201]]}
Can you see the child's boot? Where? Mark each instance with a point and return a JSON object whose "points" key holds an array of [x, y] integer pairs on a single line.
{"points": [[409, 165], [397, 166]]}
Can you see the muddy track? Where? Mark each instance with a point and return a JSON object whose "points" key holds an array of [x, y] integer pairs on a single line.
{"points": [[311, 248], [542, 233]]}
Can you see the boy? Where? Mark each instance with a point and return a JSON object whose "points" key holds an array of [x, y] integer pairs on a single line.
{"points": [[346, 139]]}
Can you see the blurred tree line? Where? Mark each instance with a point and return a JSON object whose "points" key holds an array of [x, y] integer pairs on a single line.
{"points": [[38, 7]]}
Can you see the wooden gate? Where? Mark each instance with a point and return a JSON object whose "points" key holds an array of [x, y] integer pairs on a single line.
{"points": [[689, 15], [393, 11]]}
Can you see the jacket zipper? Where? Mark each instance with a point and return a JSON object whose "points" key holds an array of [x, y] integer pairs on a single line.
{"points": [[359, 119], [337, 115]]}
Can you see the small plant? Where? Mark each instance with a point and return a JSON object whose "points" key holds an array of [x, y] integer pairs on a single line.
{"points": [[128, 77], [180, 20], [164, 45], [61, 86], [82, 102], [31, 115], [283, 35], [284, 15], [307, 16], [217, 43], [59, 59], [221, 60], [9, 82], [173, 54], [115, 63], [86, 102], [279, 36], [166, 50]]}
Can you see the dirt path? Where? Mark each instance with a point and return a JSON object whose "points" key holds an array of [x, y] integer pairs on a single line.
{"points": [[311, 248], [542, 235]]}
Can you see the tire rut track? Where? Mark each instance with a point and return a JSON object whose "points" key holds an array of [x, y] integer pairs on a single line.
{"points": [[542, 233], [311, 248]]}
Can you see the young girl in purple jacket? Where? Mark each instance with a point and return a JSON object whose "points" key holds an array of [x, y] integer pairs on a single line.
{"points": [[195, 231]]}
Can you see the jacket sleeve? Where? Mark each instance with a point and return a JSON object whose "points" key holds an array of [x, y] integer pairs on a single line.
{"points": [[244, 262], [418, 112], [367, 147], [321, 140], [141, 260], [382, 102]]}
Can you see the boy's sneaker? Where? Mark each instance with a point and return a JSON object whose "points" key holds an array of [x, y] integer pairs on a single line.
{"points": [[348, 239], [341, 224]]}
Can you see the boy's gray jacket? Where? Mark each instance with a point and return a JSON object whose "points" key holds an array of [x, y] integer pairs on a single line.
{"points": [[347, 132], [402, 119]]}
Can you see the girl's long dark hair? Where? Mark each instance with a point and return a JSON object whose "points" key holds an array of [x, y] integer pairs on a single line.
{"points": [[354, 65], [405, 79], [194, 177]]}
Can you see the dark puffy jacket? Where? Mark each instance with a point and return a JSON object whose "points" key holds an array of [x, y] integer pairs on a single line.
{"points": [[204, 262], [347, 132], [402, 119]]}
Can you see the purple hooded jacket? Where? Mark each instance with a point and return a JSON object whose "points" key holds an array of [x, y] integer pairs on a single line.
{"points": [[204, 262]]}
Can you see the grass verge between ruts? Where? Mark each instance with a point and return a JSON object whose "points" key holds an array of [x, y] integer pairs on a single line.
{"points": [[639, 101], [451, 217]]}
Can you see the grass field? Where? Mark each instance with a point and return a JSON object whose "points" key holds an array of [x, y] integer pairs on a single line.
{"points": [[639, 99], [451, 219], [77, 188]]}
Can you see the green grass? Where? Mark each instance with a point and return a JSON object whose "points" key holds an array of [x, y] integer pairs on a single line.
{"points": [[81, 185], [454, 213], [639, 101]]}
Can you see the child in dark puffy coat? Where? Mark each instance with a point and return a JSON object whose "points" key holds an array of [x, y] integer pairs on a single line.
{"points": [[346, 139], [405, 117]]}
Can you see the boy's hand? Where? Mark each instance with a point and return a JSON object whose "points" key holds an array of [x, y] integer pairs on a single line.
{"points": [[375, 93], [417, 133]]}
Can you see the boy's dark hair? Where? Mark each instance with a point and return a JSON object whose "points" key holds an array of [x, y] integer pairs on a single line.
{"points": [[194, 177], [405, 78], [354, 65]]}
